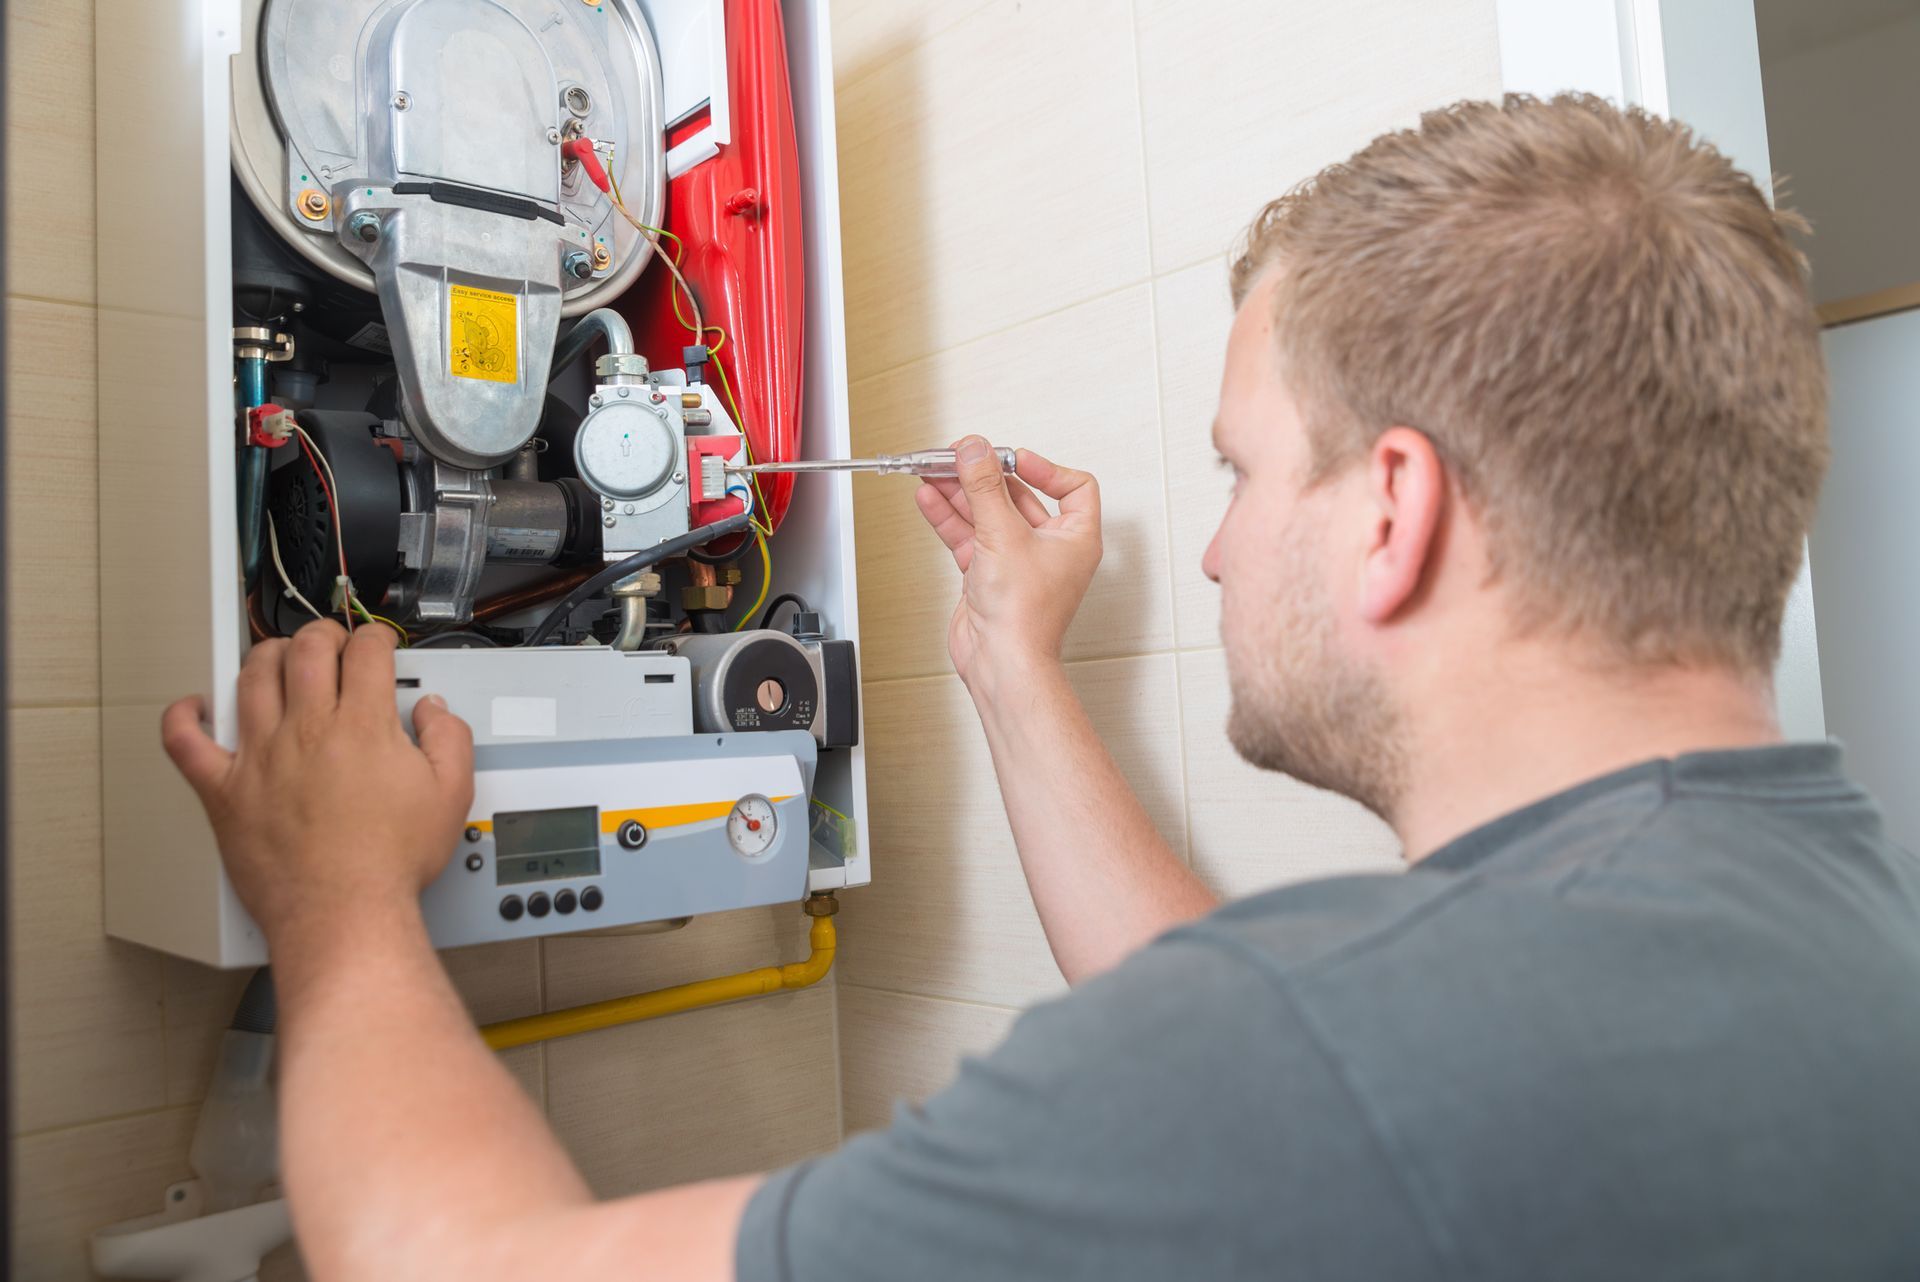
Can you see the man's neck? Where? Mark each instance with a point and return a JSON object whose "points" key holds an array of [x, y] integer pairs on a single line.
{"points": [[1535, 725]]}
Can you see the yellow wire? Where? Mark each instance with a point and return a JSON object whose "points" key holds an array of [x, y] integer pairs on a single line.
{"points": [[830, 810], [766, 580], [371, 617]]}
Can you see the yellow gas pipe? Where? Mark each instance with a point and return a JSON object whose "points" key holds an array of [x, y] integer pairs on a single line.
{"points": [[681, 997]]}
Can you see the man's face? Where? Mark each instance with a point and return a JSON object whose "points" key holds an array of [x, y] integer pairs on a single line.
{"points": [[1306, 700]]}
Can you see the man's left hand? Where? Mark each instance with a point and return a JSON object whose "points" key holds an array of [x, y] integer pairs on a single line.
{"points": [[326, 804]]}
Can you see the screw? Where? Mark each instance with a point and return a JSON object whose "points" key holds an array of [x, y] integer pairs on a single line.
{"points": [[594, 400], [629, 509], [553, 136], [401, 101], [658, 398], [626, 391], [606, 505], [314, 203], [608, 521], [577, 265], [365, 225]]}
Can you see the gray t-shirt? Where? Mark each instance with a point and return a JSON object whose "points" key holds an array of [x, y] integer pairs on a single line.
{"points": [[1663, 1025]]}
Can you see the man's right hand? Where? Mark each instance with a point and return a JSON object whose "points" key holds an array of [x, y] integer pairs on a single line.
{"points": [[1025, 570]]}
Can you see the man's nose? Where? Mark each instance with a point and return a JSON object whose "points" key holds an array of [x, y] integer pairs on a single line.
{"points": [[1210, 563]]}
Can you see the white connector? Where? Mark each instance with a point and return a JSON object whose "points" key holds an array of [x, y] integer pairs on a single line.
{"points": [[713, 478]]}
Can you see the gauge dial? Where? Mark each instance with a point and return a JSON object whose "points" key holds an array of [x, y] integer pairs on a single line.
{"points": [[752, 826]]}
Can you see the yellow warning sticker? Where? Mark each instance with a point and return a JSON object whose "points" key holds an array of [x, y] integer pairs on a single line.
{"points": [[484, 329]]}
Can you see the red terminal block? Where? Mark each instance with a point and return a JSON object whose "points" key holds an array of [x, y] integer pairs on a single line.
{"points": [[269, 425], [703, 454], [581, 150]]}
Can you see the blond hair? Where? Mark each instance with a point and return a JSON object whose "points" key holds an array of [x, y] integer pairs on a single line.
{"points": [[1602, 327]]}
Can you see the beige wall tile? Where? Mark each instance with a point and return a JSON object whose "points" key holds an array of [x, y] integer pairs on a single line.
{"points": [[1088, 401], [1192, 313], [896, 1047], [87, 1017], [974, 194], [53, 586], [593, 968], [49, 179], [723, 1091], [496, 981], [948, 913], [1241, 103], [69, 1183], [868, 33], [1253, 829]]}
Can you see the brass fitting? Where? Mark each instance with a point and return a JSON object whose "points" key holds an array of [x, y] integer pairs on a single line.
{"points": [[706, 598], [820, 905], [602, 258], [729, 575], [689, 400], [647, 583], [314, 203]]}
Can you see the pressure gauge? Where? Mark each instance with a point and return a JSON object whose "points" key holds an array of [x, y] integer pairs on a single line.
{"points": [[752, 826]]}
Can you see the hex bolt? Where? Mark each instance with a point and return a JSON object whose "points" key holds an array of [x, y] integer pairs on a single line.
{"points": [[365, 226], [401, 101], [602, 258], [577, 265], [314, 203]]}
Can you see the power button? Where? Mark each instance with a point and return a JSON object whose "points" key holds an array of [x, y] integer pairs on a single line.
{"points": [[632, 834]]}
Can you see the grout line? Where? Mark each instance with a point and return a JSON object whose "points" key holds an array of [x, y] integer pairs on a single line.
{"points": [[887, 60], [89, 305], [1166, 463], [934, 997], [111, 1119]]}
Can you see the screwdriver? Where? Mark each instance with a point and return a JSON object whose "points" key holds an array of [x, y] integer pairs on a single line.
{"points": [[918, 463]]}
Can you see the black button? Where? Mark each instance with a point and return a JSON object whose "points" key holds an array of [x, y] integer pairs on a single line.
{"points": [[633, 834], [590, 899], [475, 863], [538, 904], [511, 908], [563, 902], [473, 833]]}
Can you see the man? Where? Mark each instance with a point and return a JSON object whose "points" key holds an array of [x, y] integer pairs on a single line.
{"points": [[1524, 411]]}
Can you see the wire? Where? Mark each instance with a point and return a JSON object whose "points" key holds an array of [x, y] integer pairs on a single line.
{"points": [[371, 617], [830, 810], [273, 544], [331, 488], [633, 565], [766, 580], [785, 598]]}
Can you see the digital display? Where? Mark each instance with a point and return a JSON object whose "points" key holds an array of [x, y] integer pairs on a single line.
{"points": [[537, 845]]}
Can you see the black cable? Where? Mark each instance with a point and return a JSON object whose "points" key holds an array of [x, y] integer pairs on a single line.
{"points": [[633, 565], [785, 598]]}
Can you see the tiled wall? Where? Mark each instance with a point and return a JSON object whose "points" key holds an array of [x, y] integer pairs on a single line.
{"points": [[112, 1044], [1038, 198]]}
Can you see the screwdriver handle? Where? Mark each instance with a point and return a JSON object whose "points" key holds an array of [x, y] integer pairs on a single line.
{"points": [[939, 462]]}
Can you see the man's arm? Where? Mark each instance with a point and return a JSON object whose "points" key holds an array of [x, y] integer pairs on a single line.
{"points": [[1103, 879], [408, 1152]]}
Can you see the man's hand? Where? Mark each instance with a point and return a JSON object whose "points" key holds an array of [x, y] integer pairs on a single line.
{"points": [[326, 804], [1025, 569]]}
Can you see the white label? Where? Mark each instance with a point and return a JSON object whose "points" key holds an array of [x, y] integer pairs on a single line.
{"points": [[373, 337], [526, 717]]}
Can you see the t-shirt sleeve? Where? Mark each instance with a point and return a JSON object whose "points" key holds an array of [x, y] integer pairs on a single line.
{"points": [[1173, 1118]]}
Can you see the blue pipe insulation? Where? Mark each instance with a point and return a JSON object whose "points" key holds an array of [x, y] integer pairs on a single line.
{"points": [[253, 469]]}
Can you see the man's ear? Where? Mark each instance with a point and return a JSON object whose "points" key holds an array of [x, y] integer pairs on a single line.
{"points": [[1406, 498]]}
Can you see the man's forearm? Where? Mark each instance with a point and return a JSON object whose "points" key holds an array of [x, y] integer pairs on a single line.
{"points": [[403, 1138], [1103, 879]]}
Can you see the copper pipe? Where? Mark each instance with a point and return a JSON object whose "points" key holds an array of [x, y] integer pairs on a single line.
{"points": [[532, 594]]}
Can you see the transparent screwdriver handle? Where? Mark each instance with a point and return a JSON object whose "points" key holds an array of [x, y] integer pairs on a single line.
{"points": [[936, 462]]}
